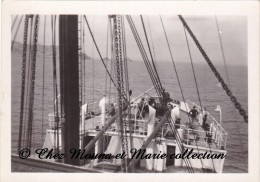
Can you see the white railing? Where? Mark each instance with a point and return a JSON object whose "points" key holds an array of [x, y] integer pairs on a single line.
{"points": [[52, 123], [217, 132], [138, 127]]}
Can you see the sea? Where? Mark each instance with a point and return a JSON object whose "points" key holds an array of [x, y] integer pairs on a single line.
{"points": [[96, 83]]}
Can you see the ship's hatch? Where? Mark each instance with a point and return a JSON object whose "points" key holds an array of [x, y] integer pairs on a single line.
{"points": [[170, 150]]}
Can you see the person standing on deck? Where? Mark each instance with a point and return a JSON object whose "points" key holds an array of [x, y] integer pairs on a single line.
{"points": [[205, 116], [112, 111], [102, 106], [193, 113]]}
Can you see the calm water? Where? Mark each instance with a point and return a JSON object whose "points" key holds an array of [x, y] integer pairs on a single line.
{"points": [[211, 96]]}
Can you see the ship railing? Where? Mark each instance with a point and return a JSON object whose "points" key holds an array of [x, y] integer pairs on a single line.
{"points": [[138, 127], [195, 136], [52, 123], [204, 138], [214, 124], [189, 136]]}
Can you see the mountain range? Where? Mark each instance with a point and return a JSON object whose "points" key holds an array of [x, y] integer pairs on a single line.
{"points": [[18, 47]]}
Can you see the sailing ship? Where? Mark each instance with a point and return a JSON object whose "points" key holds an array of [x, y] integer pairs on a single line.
{"points": [[147, 133]]}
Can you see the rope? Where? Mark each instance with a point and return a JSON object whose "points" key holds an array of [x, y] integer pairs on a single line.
{"points": [[26, 135], [32, 88], [84, 82], [222, 51], [98, 50], [192, 66], [127, 85], [144, 56], [55, 87], [156, 64], [16, 31], [195, 79], [43, 73], [80, 52], [84, 70], [14, 22], [181, 87], [112, 58], [93, 69], [175, 69], [180, 145], [148, 44], [124, 63], [228, 80], [105, 136], [120, 82], [25, 35], [238, 106]]}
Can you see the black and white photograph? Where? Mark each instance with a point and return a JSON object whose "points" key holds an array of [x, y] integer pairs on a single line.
{"points": [[131, 93]]}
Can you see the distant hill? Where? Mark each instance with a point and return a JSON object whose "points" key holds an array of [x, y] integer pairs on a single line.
{"points": [[108, 59], [18, 48]]}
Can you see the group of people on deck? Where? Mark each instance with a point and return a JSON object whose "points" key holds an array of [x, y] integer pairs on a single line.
{"points": [[194, 114]]}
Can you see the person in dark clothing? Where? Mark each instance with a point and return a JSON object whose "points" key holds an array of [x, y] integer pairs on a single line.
{"points": [[193, 113], [205, 116], [130, 93], [112, 111]]}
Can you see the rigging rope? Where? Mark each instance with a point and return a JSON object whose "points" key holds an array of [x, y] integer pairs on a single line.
{"points": [[84, 67], [195, 79], [192, 66], [177, 76], [80, 52], [105, 136], [156, 64], [125, 70], [25, 34], [94, 41], [144, 56], [222, 51], [15, 35], [181, 88], [118, 51], [224, 85], [152, 60], [55, 86], [29, 66], [33, 68], [43, 73], [14, 22], [93, 68], [25, 127], [127, 86], [112, 56], [228, 80]]}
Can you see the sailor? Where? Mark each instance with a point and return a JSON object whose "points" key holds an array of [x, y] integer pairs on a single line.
{"points": [[130, 93], [206, 127], [112, 111], [193, 113], [205, 116], [141, 105], [102, 106]]}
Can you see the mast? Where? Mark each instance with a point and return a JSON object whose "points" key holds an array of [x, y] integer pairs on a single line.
{"points": [[69, 84]]}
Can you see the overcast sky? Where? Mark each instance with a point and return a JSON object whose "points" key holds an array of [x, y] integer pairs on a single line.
{"points": [[233, 34]]}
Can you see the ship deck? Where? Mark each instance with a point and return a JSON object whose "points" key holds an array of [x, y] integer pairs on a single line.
{"points": [[194, 134]]}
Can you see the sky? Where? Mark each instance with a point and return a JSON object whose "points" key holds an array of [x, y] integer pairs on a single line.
{"points": [[233, 33]]}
